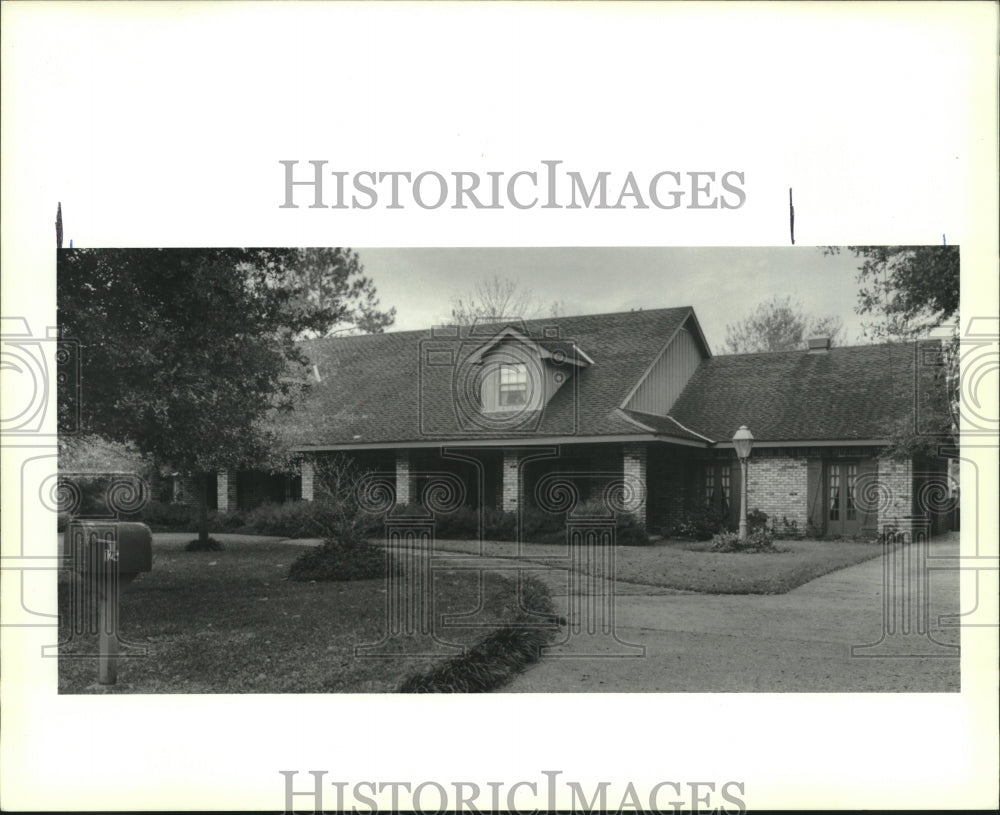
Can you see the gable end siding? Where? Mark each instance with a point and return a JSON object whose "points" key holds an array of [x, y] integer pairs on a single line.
{"points": [[668, 376]]}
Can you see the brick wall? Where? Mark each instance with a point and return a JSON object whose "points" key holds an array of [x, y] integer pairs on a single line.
{"points": [[406, 488], [225, 491], [895, 480], [511, 482], [308, 481], [777, 485], [634, 471]]}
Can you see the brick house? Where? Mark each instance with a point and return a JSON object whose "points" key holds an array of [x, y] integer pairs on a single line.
{"points": [[635, 401]]}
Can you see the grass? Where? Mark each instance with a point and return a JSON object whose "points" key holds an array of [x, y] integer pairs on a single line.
{"points": [[692, 566], [230, 622]]}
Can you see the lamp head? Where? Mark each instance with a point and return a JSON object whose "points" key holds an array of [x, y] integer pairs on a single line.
{"points": [[743, 442]]}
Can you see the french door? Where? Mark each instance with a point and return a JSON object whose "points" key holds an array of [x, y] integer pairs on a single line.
{"points": [[842, 514]]}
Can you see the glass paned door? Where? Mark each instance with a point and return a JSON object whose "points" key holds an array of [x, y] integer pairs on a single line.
{"points": [[842, 516]]}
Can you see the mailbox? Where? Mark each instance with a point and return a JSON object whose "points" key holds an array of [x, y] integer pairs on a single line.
{"points": [[95, 546]]}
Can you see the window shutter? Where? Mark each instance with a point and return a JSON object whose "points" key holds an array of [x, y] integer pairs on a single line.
{"points": [[866, 496], [814, 489]]}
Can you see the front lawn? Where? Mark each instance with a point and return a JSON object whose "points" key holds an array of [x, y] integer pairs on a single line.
{"points": [[229, 622], [693, 567]]}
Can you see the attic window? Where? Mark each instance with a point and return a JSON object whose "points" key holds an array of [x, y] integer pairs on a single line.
{"points": [[513, 386]]}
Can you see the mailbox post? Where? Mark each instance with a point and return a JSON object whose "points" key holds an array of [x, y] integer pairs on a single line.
{"points": [[107, 555]]}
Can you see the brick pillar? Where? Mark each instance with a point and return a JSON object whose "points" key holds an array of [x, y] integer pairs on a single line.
{"points": [[308, 480], [511, 480], [895, 479], [406, 488], [634, 472], [225, 491]]}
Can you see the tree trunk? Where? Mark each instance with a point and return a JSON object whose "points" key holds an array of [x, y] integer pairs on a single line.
{"points": [[202, 483]]}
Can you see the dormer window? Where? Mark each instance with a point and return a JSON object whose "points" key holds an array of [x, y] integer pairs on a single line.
{"points": [[513, 386]]}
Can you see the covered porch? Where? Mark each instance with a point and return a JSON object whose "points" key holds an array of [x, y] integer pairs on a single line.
{"points": [[649, 480]]}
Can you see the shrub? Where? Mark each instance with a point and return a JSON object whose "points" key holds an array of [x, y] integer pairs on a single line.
{"points": [[698, 523], [495, 660], [760, 540], [161, 517], [756, 519], [348, 559], [208, 545], [295, 519], [538, 525], [789, 530], [629, 532], [462, 524], [499, 525]]}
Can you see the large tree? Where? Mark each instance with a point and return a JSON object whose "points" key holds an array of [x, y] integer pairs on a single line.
{"points": [[908, 290], [778, 324], [335, 279], [501, 297], [186, 353]]}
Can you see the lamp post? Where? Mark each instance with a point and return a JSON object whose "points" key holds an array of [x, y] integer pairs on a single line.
{"points": [[743, 442]]}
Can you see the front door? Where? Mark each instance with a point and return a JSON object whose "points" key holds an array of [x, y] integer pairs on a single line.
{"points": [[842, 515]]}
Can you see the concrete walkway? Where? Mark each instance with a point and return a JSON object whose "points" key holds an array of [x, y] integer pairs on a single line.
{"points": [[796, 642]]}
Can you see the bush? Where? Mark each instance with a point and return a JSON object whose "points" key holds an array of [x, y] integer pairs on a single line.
{"points": [[294, 519], [499, 657], [163, 517], [699, 524], [349, 559], [208, 545], [789, 530], [756, 519], [499, 525], [629, 532], [760, 540]]}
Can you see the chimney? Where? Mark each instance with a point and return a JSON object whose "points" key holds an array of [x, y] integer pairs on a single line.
{"points": [[819, 345]]}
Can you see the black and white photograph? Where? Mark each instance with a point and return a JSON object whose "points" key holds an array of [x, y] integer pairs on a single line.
{"points": [[499, 406], [524, 496]]}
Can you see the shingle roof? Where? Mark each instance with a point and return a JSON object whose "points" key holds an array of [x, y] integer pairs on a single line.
{"points": [[408, 386], [411, 386], [848, 393]]}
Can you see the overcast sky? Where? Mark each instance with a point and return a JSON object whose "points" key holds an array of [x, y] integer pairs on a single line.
{"points": [[722, 284]]}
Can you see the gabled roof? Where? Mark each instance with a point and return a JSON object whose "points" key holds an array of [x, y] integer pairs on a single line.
{"points": [[560, 350], [408, 386], [414, 387], [848, 393]]}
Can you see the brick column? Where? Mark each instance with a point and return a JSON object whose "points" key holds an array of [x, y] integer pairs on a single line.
{"points": [[634, 472], [308, 480], [406, 488], [895, 477], [225, 491], [511, 480]]}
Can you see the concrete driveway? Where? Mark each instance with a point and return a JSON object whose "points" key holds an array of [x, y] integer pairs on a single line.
{"points": [[796, 642]]}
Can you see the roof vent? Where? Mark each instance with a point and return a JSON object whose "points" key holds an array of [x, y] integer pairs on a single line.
{"points": [[819, 345]]}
